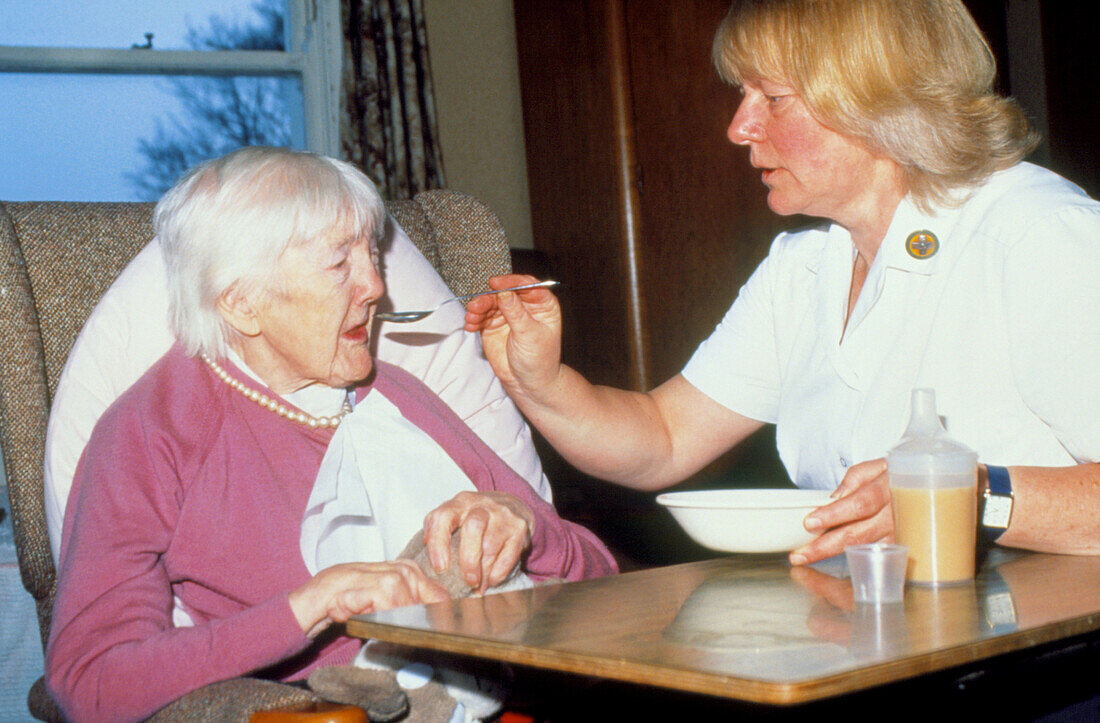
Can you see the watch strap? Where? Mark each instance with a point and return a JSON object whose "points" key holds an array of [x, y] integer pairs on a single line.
{"points": [[997, 502], [999, 481]]}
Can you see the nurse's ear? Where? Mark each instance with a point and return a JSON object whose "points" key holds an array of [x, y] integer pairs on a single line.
{"points": [[239, 311]]}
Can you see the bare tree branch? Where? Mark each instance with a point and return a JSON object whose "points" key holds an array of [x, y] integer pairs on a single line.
{"points": [[219, 113]]}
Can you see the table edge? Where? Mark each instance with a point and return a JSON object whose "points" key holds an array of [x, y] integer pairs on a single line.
{"points": [[723, 686]]}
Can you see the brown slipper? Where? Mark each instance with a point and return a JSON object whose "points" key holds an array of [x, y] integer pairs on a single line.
{"points": [[429, 701], [375, 691]]}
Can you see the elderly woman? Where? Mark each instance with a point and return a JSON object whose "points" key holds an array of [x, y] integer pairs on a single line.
{"points": [[257, 484], [944, 262]]}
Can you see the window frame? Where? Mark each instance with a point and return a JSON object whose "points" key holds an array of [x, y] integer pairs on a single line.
{"points": [[315, 55]]}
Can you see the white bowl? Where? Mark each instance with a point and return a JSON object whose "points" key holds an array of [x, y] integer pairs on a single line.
{"points": [[749, 520]]}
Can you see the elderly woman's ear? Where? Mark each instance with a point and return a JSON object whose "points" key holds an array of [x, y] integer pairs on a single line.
{"points": [[239, 311]]}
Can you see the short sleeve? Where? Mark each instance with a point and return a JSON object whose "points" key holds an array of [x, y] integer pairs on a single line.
{"points": [[1051, 292]]}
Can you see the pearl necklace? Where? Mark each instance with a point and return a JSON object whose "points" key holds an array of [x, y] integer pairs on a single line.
{"points": [[275, 405]]}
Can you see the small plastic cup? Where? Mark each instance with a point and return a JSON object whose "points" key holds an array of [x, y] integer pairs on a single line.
{"points": [[877, 572]]}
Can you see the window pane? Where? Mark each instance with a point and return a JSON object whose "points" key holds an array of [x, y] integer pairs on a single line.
{"points": [[127, 138], [121, 24]]}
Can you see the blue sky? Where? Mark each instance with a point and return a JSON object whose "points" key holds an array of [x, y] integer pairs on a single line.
{"points": [[72, 137], [107, 23]]}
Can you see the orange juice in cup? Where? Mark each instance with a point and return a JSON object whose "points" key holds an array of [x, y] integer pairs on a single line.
{"points": [[933, 492]]}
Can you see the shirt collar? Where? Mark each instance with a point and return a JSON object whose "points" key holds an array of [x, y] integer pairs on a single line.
{"points": [[918, 241], [893, 253]]}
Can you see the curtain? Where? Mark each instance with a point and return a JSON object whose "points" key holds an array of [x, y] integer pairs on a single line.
{"points": [[388, 127]]}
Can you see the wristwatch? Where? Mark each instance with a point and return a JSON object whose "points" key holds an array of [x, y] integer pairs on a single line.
{"points": [[997, 505]]}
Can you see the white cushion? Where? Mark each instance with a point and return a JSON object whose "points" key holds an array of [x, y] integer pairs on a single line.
{"points": [[128, 331]]}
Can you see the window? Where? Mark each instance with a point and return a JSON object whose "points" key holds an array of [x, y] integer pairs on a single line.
{"points": [[110, 100]]}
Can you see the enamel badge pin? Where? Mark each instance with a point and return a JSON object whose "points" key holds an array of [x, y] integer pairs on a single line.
{"points": [[922, 244]]}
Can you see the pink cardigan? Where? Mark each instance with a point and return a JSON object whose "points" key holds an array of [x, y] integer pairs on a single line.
{"points": [[188, 489]]}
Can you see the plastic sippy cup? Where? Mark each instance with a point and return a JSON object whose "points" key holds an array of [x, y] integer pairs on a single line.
{"points": [[933, 490]]}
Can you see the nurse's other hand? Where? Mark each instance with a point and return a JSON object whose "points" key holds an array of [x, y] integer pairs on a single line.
{"points": [[861, 514], [495, 530]]}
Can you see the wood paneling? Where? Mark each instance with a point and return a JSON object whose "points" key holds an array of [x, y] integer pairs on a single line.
{"points": [[565, 71], [704, 222]]}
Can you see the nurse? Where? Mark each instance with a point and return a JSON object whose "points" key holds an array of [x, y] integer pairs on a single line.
{"points": [[943, 260]]}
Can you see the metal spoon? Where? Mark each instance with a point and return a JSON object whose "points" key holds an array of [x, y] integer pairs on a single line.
{"points": [[405, 317]]}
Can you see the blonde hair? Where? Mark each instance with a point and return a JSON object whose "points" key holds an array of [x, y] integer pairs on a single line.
{"points": [[228, 220], [912, 80]]}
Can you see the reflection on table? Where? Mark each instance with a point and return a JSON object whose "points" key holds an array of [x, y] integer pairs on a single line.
{"points": [[754, 628]]}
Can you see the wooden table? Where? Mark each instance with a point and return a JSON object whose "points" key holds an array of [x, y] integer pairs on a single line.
{"points": [[753, 628]]}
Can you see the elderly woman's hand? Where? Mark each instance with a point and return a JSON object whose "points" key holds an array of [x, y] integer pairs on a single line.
{"points": [[521, 334], [495, 530], [861, 514], [338, 592]]}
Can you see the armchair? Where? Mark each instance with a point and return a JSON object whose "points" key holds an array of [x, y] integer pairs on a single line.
{"points": [[56, 261]]}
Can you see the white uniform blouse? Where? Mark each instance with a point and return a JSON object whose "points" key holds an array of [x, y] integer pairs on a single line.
{"points": [[997, 309]]}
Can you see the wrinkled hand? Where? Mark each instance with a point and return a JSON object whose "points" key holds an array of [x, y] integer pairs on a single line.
{"points": [[495, 530], [520, 332], [861, 514], [338, 592]]}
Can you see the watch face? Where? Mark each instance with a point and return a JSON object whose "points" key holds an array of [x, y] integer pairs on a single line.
{"points": [[997, 511]]}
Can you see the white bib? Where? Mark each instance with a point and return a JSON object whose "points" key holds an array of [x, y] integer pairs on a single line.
{"points": [[380, 476]]}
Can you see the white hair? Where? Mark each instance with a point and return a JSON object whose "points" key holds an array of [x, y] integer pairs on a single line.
{"points": [[228, 220]]}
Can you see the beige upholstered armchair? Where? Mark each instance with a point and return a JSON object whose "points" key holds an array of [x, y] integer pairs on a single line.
{"points": [[56, 261]]}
